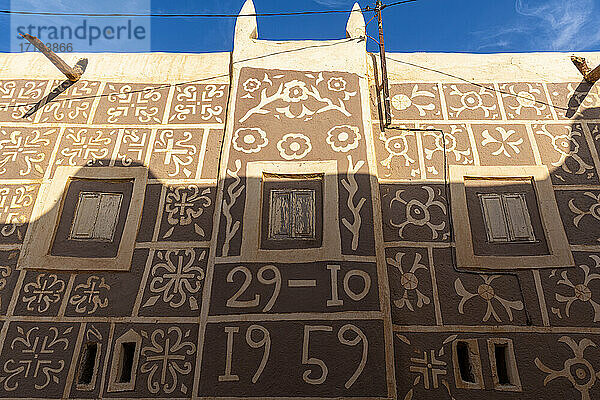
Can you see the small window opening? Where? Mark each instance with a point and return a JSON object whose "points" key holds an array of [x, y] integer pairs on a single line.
{"points": [[506, 217], [87, 363], [127, 356], [464, 362], [501, 354]]}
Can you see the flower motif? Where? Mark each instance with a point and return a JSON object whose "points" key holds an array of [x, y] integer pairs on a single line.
{"points": [[183, 204], [337, 84], [580, 292], [418, 213], [343, 138], [249, 140], [593, 210], [46, 290], [503, 142], [401, 102], [576, 369], [89, 296], [251, 85], [486, 292], [567, 148], [409, 282], [294, 91], [294, 146], [396, 146], [177, 277], [166, 359]]}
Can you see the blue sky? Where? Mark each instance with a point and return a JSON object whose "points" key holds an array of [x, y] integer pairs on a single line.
{"points": [[480, 26]]}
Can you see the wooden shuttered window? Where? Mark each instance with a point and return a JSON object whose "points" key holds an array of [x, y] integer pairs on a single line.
{"points": [[506, 217], [96, 216], [292, 214]]}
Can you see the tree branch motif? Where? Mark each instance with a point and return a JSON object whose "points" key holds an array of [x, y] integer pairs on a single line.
{"points": [[233, 191], [352, 187]]}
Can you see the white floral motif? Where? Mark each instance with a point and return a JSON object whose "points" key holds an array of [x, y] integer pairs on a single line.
{"points": [[418, 213], [89, 296], [249, 140], [27, 147], [343, 138], [179, 152], [525, 99], [352, 188], [396, 146], [576, 369], [251, 85], [566, 147], [593, 210], [137, 103], [486, 292], [504, 142], [36, 361], [86, 145], [402, 102], [166, 358], [234, 190], [295, 93], [409, 281], [294, 146], [41, 294], [13, 209], [183, 204], [451, 146], [581, 291], [177, 277], [336, 84], [472, 100]]}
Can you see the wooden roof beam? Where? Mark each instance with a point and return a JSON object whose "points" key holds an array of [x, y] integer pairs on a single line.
{"points": [[590, 75], [72, 74]]}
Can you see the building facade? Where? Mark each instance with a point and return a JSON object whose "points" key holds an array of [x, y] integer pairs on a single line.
{"points": [[244, 225]]}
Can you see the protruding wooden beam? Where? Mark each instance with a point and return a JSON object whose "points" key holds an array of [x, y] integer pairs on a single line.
{"points": [[590, 75], [72, 74]]}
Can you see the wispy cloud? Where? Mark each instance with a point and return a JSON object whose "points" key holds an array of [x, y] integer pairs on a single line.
{"points": [[555, 25], [333, 3]]}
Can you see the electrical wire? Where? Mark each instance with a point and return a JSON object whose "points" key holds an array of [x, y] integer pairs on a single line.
{"points": [[292, 13]]}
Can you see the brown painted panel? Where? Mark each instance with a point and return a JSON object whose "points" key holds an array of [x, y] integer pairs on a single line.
{"points": [[8, 277], [525, 100], [176, 153], [187, 213], [104, 294], [149, 213], [18, 96], [25, 152], [47, 349], [16, 205], [564, 149], [284, 288], [575, 100], [175, 281], [503, 145], [579, 212], [195, 104], [73, 105], [411, 289], [133, 147], [41, 294], [466, 101], [86, 147], [332, 368], [457, 147], [414, 212], [133, 103], [414, 101], [397, 153]]}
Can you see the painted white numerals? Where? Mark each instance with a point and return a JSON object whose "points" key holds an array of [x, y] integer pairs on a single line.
{"points": [[360, 337], [354, 295], [267, 275], [264, 341]]}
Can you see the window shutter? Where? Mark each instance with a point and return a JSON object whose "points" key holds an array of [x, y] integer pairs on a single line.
{"points": [[304, 214], [108, 214], [494, 218], [85, 216], [279, 216], [96, 216], [518, 217]]}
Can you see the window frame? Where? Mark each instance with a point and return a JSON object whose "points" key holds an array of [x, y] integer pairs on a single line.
{"points": [[558, 253]]}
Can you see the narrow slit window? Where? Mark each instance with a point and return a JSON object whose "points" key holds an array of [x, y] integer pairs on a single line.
{"points": [[504, 365], [506, 217], [127, 357], [464, 362], [88, 364], [500, 353], [96, 216]]}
